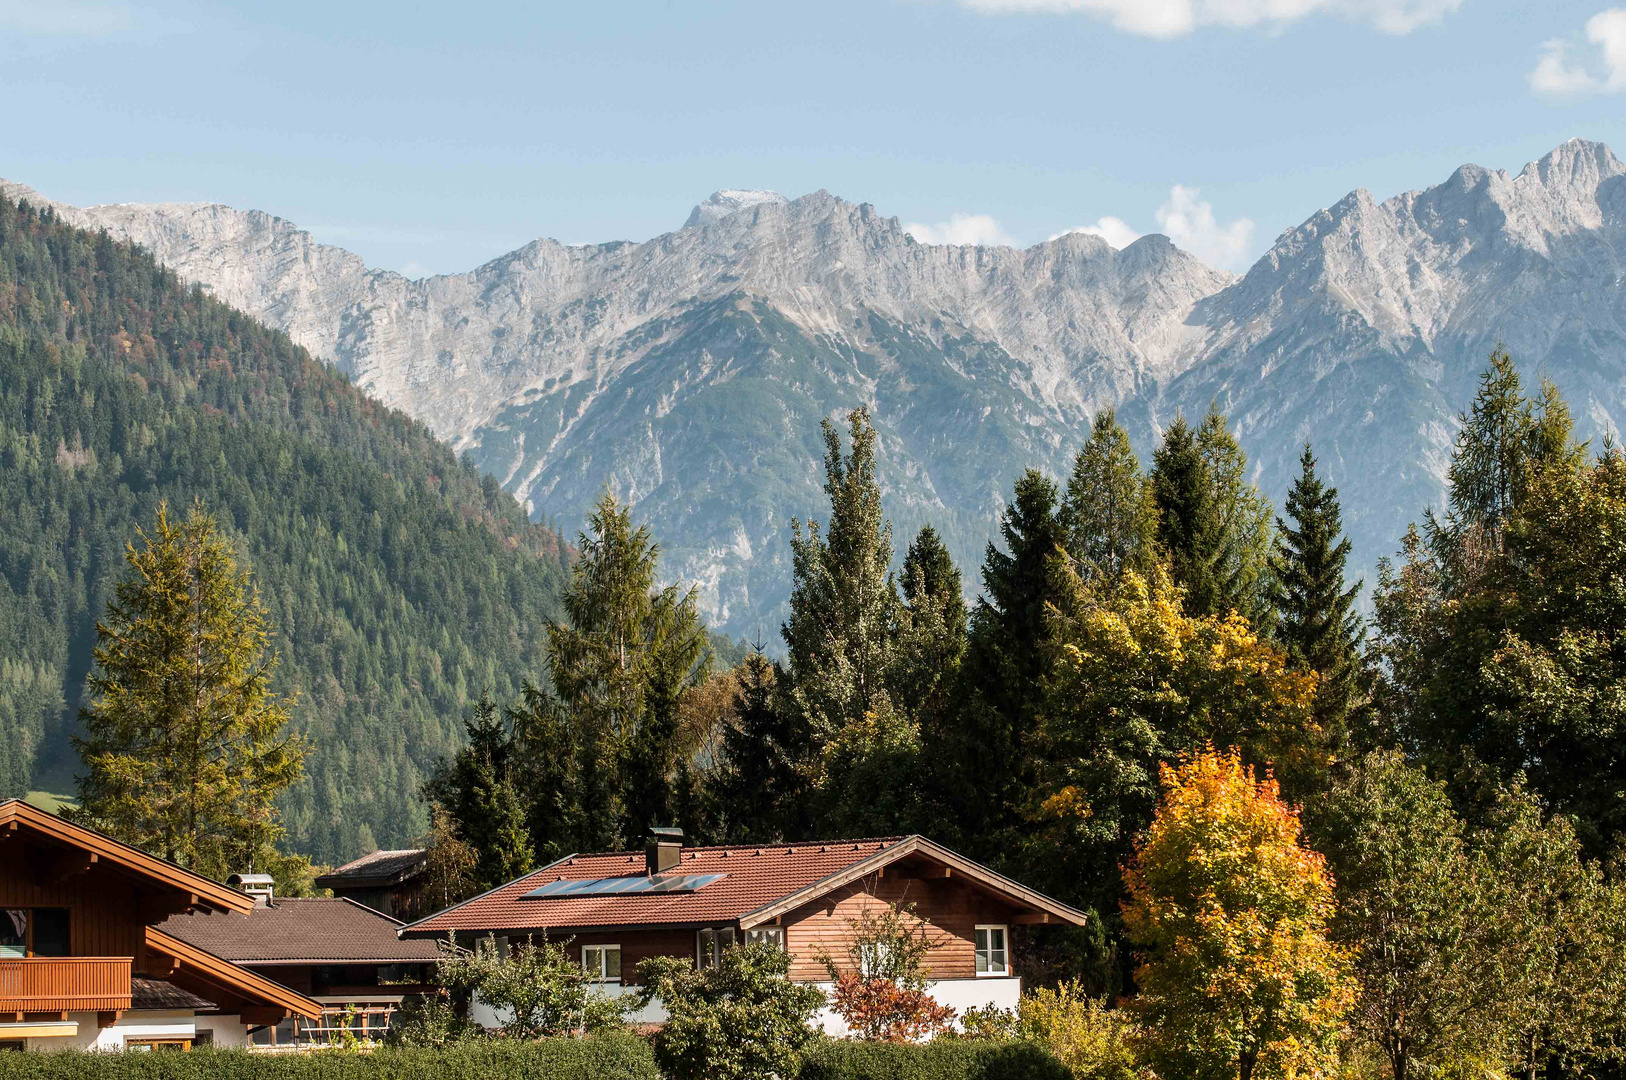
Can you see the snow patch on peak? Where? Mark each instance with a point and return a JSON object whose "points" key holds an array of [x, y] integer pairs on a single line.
{"points": [[729, 201]]}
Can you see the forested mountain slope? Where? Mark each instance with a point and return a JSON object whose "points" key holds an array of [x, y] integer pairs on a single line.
{"points": [[399, 583]]}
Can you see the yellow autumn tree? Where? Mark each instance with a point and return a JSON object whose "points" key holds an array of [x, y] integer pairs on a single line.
{"points": [[1135, 681], [1230, 910]]}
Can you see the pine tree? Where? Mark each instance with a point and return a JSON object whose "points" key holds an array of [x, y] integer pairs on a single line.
{"points": [[1108, 514], [480, 791], [1316, 621], [185, 745], [619, 670]]}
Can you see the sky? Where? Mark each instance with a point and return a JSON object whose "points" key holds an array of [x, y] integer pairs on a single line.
{"points": [[432, 137]]}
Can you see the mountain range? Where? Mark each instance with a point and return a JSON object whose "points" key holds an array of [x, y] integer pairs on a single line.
{"points": [[688, 373]]}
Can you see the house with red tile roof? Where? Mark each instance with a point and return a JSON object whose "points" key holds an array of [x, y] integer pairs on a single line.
{"points": [[670, 900]]}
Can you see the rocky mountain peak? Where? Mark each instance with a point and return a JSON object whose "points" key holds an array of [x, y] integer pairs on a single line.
{"points": [[729, 201]]}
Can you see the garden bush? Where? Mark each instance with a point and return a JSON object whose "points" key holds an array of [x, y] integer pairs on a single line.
{"points": [[613, 1056], [941, 1059]]}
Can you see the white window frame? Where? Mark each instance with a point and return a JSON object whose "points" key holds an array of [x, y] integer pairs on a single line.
{"points": [[984, 957], [772, 935], [600, 974]]}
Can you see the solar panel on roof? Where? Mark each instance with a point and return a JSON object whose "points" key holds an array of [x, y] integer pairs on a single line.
{"points": [[622, 886]]}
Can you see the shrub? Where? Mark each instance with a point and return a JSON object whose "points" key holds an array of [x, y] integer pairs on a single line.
{"points": [[943, 1059], [611, 1056], [539, 986], [431, 1023], [1095, 1042], [886, 1011], [740, 1020]]}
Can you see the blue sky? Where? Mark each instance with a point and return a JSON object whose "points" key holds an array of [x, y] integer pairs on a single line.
{"points": [[430, 137]]}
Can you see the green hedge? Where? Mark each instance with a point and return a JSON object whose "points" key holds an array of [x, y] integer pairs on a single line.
{"points": [[605, 1057], [944, 1059]]}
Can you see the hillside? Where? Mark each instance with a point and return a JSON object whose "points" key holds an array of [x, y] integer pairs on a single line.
{"points": [[400, 583], [688, 372]]}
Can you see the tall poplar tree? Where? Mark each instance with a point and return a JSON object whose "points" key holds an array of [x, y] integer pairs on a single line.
{"points": [[842, 630], [186, 747], [1316, 621], [1108, 513]]}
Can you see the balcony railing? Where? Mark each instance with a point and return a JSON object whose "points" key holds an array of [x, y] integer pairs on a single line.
{"points": [[64, 984]]}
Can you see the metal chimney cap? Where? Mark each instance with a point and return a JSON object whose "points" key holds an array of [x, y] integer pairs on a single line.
{"points": [[242, 880], [667, 833]]}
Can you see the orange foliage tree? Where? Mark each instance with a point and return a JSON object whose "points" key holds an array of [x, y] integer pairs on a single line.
{"points": [[1238, 976]]}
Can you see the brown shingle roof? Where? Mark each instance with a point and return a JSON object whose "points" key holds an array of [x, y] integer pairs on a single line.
{"points": [[377, 868], [302, 931], [754, 879], [148, 993]]}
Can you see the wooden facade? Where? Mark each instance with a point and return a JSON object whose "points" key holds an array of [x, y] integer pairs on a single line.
{"points": [[108, 895]]}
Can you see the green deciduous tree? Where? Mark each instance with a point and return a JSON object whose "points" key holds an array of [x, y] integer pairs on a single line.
{"points": [[739, 1020], [1316, 621], [1108, 515], [1134, 681], [1408, 910], [1238, 976], [186, 747]]}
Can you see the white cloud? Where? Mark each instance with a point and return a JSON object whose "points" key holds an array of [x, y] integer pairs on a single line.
{"points": [[1115, 231], [970, 229], [1172, 18], [64, 18], [1190, 223], [1555, 76]]}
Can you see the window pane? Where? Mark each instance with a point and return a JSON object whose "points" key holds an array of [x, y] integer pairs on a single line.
{"points": [[706, 948], [14, 932], [591, 961], [612, 962], [51, 932]]}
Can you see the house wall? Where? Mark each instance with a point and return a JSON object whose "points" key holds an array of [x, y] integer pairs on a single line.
{"points": [[951, 909], [136, 1024], [101, 922]]}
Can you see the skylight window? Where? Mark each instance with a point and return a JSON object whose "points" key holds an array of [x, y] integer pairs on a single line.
{"points": [[622, 886]]}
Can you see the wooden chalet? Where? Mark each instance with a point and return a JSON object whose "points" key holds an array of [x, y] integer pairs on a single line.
{"points": [[83, 962], [389, 881], [670, 900]]}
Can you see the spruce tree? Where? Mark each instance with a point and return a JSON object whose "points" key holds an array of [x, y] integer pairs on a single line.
{"points": [[1108, 514], [1242, 521], [186, 747], [1315, 617], [985, 759], [1187, 520], [932, 635], [480, 792], [759, 794]]}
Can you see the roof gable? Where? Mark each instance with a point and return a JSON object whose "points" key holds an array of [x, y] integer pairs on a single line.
{"points": [[17, 816]]}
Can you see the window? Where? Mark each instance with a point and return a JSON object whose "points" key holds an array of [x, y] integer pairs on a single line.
{"points": [[768, 935], [992, 958], [603, 962], [711, 944], [34, 932]]}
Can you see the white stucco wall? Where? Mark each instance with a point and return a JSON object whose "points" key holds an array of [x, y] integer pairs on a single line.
{"points": [[144, 1024], [229, 1031]]}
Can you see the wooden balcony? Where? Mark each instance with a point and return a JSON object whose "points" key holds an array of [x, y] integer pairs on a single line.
{"points": [[44, 984]]}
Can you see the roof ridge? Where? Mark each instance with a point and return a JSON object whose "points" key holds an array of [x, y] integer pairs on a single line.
{"points": [[781, 845]]}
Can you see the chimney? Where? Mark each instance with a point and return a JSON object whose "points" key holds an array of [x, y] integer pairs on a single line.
{"points": [[664, 850], [256, 885]]}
